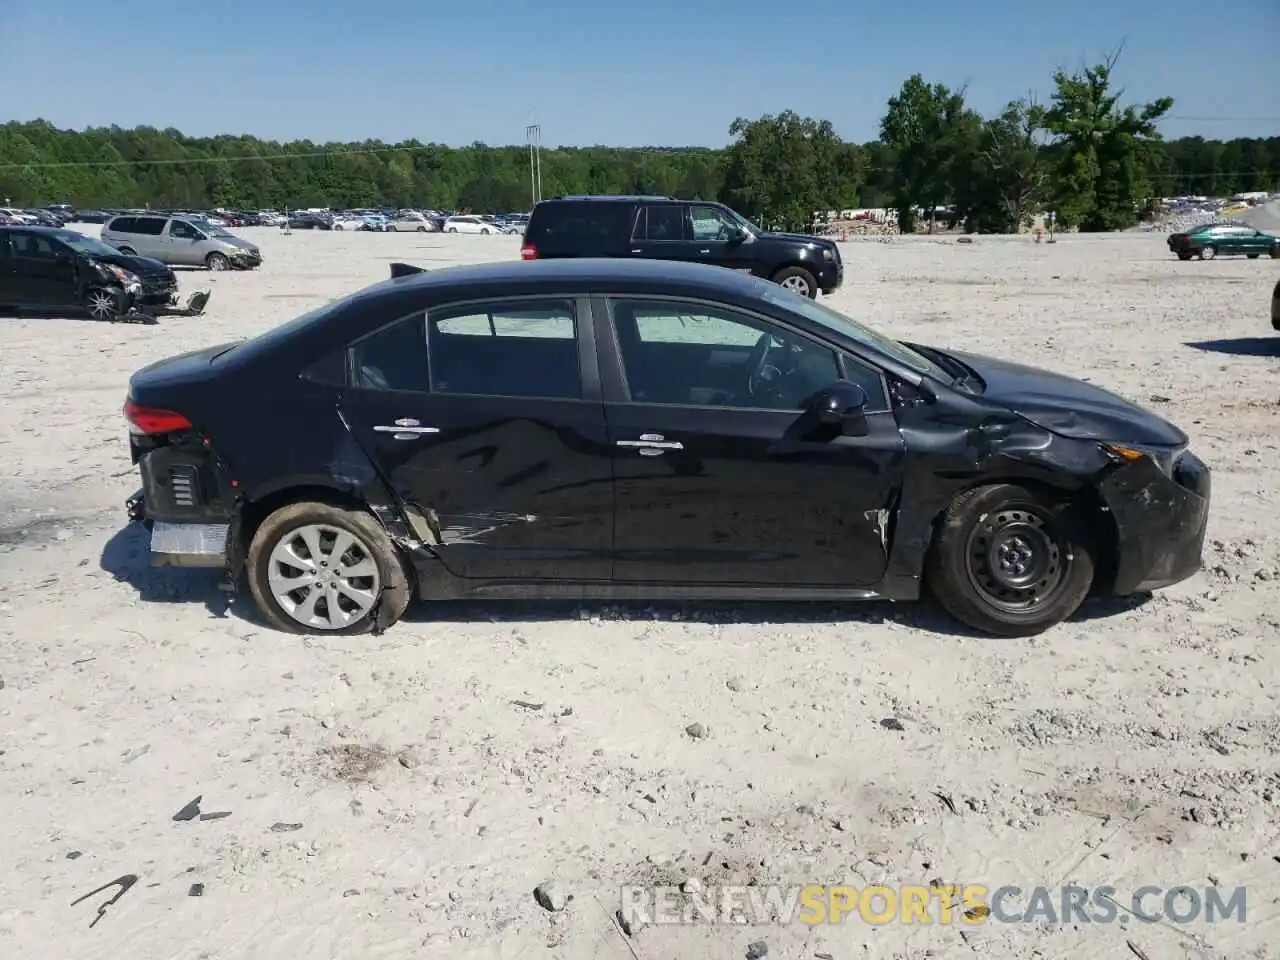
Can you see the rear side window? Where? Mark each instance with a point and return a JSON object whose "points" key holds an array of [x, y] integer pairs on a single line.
{"points": [[526, 348], [583, 227], [394, 358], [123, 225], [148, 226], [660, 223]]}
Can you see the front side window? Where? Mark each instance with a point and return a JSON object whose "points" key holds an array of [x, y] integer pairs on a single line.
{"points": [[710, 223], [525, 348], [694, 354], [182, 231]]}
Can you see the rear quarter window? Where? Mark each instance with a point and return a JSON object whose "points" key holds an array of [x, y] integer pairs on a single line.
{"points": [[581, 226]]}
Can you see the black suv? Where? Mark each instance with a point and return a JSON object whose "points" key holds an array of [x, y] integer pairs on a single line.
{"points": [[45, 270], [695, 231]]}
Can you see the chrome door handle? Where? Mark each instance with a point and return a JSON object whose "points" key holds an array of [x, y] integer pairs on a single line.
{"points": [[704, 251], [651, 444], [415, 431]]}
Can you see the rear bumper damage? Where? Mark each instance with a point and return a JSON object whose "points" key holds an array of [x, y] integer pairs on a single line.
{"points": [[183, 544], [1160, 522]]}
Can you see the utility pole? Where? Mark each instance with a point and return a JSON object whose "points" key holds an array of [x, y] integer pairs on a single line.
{"points": [[533, 136]]}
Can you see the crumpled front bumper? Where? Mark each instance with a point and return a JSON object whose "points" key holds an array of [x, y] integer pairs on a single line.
{"points": [[1160, 522]]}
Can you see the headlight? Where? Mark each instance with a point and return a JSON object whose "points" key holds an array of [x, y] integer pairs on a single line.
{"points": [[1162, 457]]}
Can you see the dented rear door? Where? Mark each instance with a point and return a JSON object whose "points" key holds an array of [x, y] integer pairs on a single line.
{"points": [[512, 487]]}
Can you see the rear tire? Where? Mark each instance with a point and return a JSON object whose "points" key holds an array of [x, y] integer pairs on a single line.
{"points": [[1184, 256], [798, 280], [128, 251], [287, 531], [1253, 256], [1010, 561], [1275, 252]]}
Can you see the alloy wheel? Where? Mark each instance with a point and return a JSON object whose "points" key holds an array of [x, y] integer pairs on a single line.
{"points": [[797, 284], [102, 306], [323, 577], [1015, 561]]}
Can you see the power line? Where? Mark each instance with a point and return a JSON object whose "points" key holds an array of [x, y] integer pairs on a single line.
{"points": [[369, 151], [1222, 119]]}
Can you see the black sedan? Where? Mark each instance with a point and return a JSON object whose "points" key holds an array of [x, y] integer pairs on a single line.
{"points": [[44, 270], [621, 429]]}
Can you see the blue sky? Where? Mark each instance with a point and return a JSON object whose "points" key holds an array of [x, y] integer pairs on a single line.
{"points": [[658, 72]]}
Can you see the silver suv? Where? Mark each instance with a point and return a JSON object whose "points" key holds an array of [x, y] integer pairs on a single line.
{"points": [[180, 242]]}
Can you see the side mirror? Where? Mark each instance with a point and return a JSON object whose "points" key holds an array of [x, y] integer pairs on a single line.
{"points": [[841, 405], [737, 235]]}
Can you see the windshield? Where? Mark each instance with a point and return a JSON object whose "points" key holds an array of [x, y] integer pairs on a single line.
{"points": [[743, 221], [211, 229], [89, 245], [838, 323]]}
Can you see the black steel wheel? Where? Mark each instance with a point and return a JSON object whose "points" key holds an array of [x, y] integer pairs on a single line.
{"points": [[1011, 561], [1014, 559]]}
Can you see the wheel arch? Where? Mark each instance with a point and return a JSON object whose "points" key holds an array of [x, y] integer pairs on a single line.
{"points": [[1082, 495]]}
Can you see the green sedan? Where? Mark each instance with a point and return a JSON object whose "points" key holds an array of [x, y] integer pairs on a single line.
{"points": [[1228, 239]]}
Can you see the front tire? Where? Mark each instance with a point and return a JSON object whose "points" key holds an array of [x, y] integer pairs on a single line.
{"points": [[102, 305], [217, 262], [1010, 561], [451, 230], [316, 568], [798, 280], [1208, 253]]}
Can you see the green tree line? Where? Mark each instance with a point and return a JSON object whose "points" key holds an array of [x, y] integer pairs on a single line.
{"points": [[1083, 154]]}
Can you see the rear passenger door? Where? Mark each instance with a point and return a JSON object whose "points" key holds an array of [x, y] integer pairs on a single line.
{"points": [[661, 233], [486, 421], [44, 270]]}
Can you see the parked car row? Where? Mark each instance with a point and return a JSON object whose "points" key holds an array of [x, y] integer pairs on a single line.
{"points": [[408, 221]]}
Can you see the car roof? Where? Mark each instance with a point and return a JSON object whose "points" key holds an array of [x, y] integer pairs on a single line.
{"points": [[607, 271], [594, 198]]}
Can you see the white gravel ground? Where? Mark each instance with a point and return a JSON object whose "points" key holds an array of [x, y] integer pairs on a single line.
{"points": [[1138, 745]]}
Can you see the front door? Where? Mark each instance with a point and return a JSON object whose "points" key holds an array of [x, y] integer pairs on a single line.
{"points": [[482, 421], [719, 478], [44, 270], [715, 239], [182, 243]]}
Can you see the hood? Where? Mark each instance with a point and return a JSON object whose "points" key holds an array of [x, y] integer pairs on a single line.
{"points": [[1069, 407], [795, 238], [239, 244], [141, 266]]}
